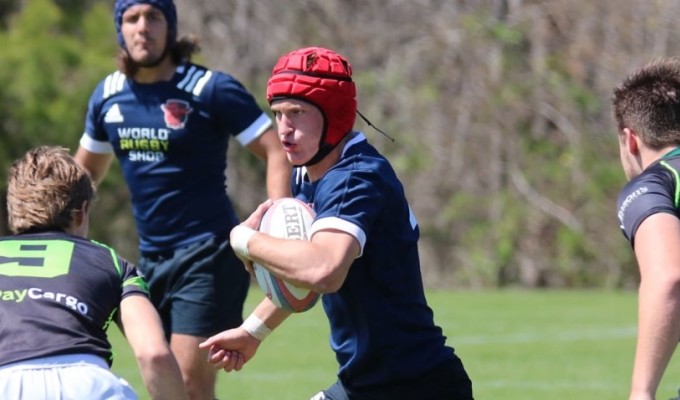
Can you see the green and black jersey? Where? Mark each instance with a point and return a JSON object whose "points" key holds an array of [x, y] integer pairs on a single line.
{"points": [[655, 190], [58, 295]]}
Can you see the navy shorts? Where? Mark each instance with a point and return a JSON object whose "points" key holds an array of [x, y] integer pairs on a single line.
{"points": [[448, 381], [335, 392], [198, 289]]}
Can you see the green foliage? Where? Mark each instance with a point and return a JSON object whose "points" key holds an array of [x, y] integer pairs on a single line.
{"points": [[455, 84], [49, 65], [47, 72], [579, 95], [482, 24]]}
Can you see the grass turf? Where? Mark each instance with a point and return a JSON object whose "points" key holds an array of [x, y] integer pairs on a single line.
{"points": [[515, 345]]}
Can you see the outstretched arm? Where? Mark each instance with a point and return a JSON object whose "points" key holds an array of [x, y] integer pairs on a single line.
{"points": [[142, 327], [268, 148], [658, 256], [231, 349]]}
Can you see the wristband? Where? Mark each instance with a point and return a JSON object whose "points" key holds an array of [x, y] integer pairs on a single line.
{"points": [[254, 326], [240, 236]]}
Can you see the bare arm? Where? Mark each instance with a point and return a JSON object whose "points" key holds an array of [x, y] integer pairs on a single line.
{"points": [[142, 327], [658, 256], [96, 164], [268, 148], [320, 264], [231, 349]]}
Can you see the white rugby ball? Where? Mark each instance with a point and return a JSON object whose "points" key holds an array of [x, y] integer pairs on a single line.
{"points": [[287, 218]]}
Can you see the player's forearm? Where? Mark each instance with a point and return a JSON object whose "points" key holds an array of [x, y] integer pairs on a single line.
{"points": [[658, 332], [302, 263], [162, 378], [278, 175], [270, 314], [96, 165]]}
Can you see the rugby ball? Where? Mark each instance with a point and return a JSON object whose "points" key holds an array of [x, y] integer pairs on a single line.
{"points": [[287, 218]]}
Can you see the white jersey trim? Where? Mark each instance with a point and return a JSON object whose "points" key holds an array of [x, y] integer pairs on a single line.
{"points": [[195, 80], [255, 130], [187, 77], [201, 82], [71, 376], [113, 84], [358, 137], [95, 146], [339, 224], [55, 361]]}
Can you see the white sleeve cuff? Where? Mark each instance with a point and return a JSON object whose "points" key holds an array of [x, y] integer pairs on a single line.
{"points": [[257, 128], [95, 146], [340, 225]]}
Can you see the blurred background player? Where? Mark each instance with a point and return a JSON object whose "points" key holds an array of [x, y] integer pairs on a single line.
{"points": [[168, 122], [61, 291], [647, 112], [363, 252]]}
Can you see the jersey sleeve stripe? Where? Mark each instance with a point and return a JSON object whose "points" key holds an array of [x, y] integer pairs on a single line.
{"points": [[114, 256], [138, 282], [121, 81], [113, 84], [257, 128], [107, 86], [676, 200], [200, 84], [194, 79], [187, 78]]}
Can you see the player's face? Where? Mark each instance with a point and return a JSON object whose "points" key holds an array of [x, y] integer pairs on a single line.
{"points": [[299, 126], [145, 32]]}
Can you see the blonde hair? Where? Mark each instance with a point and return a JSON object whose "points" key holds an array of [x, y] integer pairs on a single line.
{"points": [[46, 187]]}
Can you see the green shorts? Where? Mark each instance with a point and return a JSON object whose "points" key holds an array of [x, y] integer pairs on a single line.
{"points": [[198, 289]]}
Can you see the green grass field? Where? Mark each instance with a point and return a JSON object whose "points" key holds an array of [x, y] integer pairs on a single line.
{"points": [[516, 345]]}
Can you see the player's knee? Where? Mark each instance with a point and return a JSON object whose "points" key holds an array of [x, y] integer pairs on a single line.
{"points": [[200, 383]]}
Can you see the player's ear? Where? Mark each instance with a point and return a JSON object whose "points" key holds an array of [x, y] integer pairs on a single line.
{"points": [[81, 215], [631, 141]]}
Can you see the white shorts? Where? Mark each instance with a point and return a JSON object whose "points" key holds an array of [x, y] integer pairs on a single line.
{"points": [[67, 377]]}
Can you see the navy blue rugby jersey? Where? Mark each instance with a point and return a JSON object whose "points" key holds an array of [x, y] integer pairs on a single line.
{"points": [[58, 295], [382, 329], [655, 190], [171, 140]]}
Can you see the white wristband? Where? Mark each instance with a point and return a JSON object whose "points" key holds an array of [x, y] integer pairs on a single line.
{"points": [[240, 236], [256, 327]]}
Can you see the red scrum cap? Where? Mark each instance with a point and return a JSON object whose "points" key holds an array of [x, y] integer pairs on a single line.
{"points": [[323, 78]]}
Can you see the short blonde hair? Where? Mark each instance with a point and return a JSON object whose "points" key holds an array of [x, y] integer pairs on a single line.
{"points": [[45, 188]]}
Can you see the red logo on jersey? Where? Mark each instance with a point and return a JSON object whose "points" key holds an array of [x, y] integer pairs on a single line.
{"points": [[176, 113]]}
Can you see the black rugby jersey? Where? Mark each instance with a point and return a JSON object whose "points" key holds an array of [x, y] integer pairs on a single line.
{"points": [[58, 295], [655, 190]]}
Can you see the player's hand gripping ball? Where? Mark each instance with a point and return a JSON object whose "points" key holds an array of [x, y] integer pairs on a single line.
{"points": [[287, 218]]}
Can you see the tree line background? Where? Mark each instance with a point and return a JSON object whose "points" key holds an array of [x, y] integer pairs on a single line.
{"points": [[500, 110]]}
